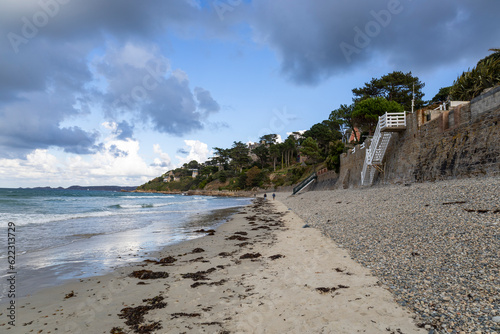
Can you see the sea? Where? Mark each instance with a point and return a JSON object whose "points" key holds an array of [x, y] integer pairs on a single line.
{"points": [[60, 235]]}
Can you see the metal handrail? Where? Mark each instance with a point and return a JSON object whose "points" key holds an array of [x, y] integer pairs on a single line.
{"points": [[304, 183]]}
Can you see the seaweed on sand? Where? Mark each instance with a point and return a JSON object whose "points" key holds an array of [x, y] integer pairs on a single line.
{"points": [[148, 274], [135, 315], [219, 283], [250, 256], [199, 275], [167, 260], [182, 314], [333, 289], [237, 237], [70, 295]]}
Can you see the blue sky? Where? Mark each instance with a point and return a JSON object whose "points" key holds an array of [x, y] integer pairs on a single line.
{"points": [[117, 92]]}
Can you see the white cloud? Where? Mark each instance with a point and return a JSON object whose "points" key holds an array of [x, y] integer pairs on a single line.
{"points": [[118, 163], [43, 161], [164, 159], [197, 151]]}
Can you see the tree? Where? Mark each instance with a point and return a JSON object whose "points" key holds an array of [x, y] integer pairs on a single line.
{"points": [[254, 177], [289, 150], [222, 176], [262, 152], [239, 154], [366, 112], [323, 135], [310, 149], [269, 139], [442, 95], [335, 149], [343, 117], [274, 152], [222, 156], [472, 83], [193, 164], [396, 86]]}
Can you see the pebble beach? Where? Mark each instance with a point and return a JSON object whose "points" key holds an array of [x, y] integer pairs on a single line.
{"points": [[434, 246]]}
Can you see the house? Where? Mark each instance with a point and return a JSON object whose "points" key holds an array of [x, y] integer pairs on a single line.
{"points": [[429, 114], [170, 177], [354, 135]]}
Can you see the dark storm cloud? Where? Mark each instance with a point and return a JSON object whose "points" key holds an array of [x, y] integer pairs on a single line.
{"points": [[63, 20], [56, 35], [35, 122], [45, 78], [318, 39], [140, 81]]}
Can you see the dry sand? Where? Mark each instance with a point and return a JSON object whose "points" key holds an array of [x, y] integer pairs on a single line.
{"points": [[298, 281]]}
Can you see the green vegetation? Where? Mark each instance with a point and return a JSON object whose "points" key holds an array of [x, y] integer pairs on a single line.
{"points": [[392, 92], [396, 86], [485, 75], [270, 163]]}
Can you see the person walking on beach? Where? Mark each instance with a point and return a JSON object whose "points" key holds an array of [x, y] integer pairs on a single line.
{"points": [[265, 196], [274, 195]]}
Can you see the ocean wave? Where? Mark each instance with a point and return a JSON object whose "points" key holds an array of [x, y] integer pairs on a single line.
{"points": [[21, 219], [83, 235], [148, 197], [137, 206]]}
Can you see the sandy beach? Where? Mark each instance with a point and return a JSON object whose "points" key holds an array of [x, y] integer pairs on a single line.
{"points": [[262, 272]]}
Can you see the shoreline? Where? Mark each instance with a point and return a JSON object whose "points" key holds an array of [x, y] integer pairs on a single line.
{"points": [[31, 281], [217, 193], [260, 272]]}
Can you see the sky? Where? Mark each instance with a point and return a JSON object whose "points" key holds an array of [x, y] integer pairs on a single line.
{"points": [[118, 92]]}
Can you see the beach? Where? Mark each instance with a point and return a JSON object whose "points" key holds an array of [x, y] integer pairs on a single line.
{"points": [[65, 234], [261, 272], [434, 245]]}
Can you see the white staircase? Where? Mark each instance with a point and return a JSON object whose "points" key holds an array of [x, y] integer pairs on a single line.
{"points": [[387, 123]]}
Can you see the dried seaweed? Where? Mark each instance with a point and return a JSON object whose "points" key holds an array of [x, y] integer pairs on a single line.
{"points": [[199, 275], [148, 274], [135, 315], [250, 256]]}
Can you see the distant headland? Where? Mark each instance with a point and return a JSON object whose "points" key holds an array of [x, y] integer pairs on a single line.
{"points": [[94, 188]]}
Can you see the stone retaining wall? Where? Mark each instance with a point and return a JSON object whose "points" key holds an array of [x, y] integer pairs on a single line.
{"points": [[463, 142]]}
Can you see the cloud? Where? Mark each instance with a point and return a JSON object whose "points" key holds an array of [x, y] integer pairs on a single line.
{"points": [[182, 151], [60, 20], [197, 151], [117, 163], [120, 131], [46, 80], [205, 101], [35, 122], [140, 81], [318, 39], [164, 160]]}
